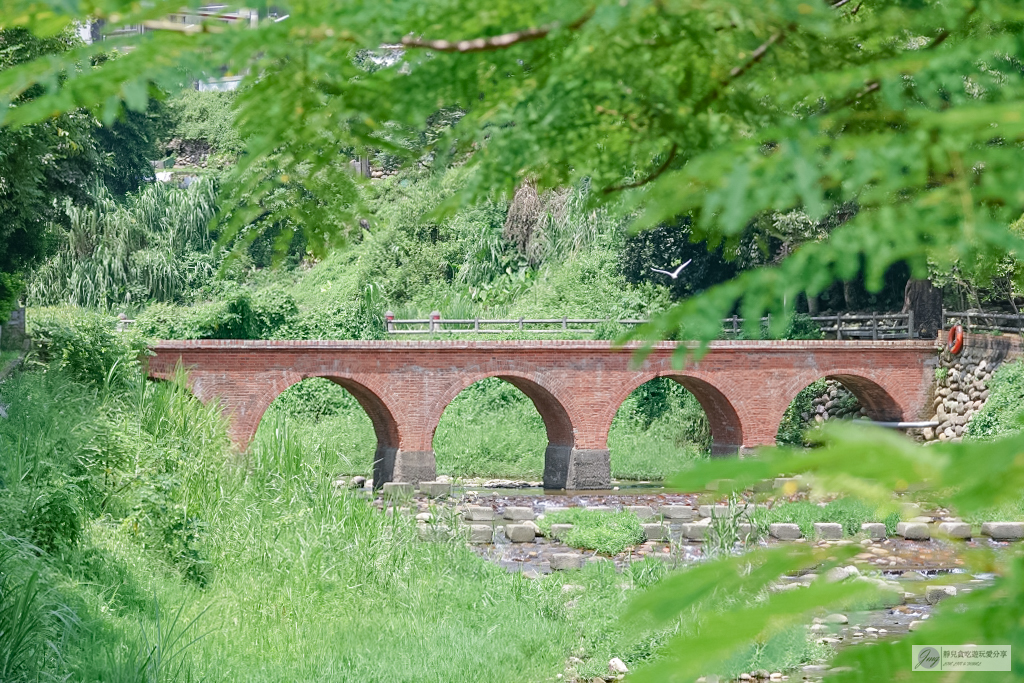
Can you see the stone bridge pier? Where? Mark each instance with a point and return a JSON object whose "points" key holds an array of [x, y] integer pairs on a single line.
{"points": [[576, 386]]}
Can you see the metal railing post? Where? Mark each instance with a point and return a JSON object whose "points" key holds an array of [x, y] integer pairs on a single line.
{"points": [[389, 322], [839, 326], [874, 327], [435, 321], [565, 323], [910, 323]]}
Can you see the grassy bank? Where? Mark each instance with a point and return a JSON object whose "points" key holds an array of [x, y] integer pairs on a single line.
{"points": [[122, 505]]}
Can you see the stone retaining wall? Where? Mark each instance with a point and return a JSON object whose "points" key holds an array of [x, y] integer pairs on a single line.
{"points": [[835, 403], [961, 383]]}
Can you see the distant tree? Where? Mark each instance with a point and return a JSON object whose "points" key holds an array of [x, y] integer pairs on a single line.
{"points": [[668, 246], [130, 143], [41, 166]]}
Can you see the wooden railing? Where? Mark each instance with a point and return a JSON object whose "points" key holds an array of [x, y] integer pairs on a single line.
{"points": [[842, 326], [874, 326], [977, 321]]}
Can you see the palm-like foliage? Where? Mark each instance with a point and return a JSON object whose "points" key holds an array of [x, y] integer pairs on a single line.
{"points": [[153, 247]]}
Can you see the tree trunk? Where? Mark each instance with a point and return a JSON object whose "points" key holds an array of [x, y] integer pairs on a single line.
{"points": [[925, 300], [812, 305], [849, 295]]}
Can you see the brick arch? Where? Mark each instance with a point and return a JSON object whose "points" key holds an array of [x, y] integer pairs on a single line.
{"points": [[878, 402], [247, 415], [556, 417], [558, 422], [876, 398], [723, 418]]}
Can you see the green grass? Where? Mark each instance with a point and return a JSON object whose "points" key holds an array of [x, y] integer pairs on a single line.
{"points": [[1003, 412], [6, 357], [849, 512], [491, 429], [1012, 511], [288, 579], [609, 533]]}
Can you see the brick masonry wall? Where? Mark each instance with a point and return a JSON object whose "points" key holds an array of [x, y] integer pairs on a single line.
{"points": [[577, 386]]}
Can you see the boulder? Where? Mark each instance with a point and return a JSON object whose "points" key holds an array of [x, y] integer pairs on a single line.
{"points": [[641, 511], [873, 530], [397, 489], [683, 513], [518, 513], [955, 529], [566, 561], [934, 594], [520, 533], [617, 666], [828, 531], [478, 513], [655, 532], [785, 532], [481, 533], [1003, 531], [914, 531], [695, 532]]}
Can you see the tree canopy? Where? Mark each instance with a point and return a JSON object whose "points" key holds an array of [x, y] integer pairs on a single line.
{"points": [[717, 110]]}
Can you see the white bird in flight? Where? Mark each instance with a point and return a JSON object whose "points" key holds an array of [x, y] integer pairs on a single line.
{"points": [[673, 274]]}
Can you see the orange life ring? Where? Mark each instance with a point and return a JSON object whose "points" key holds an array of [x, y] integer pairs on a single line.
{"points": [[955, 343]]}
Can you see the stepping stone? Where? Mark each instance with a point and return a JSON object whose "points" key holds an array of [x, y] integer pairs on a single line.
{"points": [[520, 533], [960, 530], [564, 561], [828, 531], [655, 532], [435, 489], [518, 513], [478, 513], [785, 532], [873, 530], [682, 513], [695, 532], [713, 510], [934, 594], [600, 508], [558, 531], [641, 511], [481, 533], [914, 531], [1003, 531], [397, 489]]}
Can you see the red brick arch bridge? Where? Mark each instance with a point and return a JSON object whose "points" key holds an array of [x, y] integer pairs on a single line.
{"points": [[577, 387]]}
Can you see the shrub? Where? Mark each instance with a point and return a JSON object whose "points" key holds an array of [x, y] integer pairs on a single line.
{"points": [[208, 116], [53, 520], [85, 344], [238, 313], [609, 533], [1003, 411]]}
